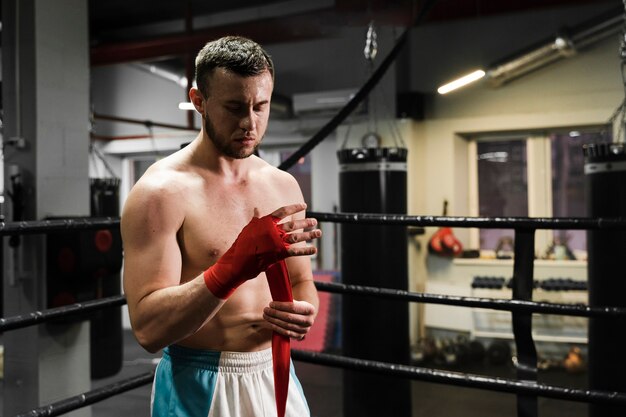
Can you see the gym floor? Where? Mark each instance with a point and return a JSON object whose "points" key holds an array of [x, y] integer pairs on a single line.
{"points": [[323, 388]]}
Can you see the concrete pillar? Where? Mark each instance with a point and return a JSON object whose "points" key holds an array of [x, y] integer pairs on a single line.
{"points": [[45, 71]]}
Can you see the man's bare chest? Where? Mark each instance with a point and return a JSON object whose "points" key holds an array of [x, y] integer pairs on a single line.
{"points": [[214, 219]]}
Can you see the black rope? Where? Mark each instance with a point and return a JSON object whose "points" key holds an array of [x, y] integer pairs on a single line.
{"points": [[480, 222], [37, 317], [51, 226], [579, 223], [578, 310], [461, 379], [90, 397], [360, 95]]}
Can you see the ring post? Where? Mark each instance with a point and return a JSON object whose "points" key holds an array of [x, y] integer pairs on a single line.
{"points": [[605, 188], [373, 180]]}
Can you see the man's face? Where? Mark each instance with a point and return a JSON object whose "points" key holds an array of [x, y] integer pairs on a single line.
{"points": [[236, 112]]}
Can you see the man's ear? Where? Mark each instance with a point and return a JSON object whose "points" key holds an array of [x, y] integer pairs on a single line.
{"points": [[196, 98]]}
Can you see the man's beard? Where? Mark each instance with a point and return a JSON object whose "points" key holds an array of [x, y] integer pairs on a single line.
{"points": [[224, 145]]}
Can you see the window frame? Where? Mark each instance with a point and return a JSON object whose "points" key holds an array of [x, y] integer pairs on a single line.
{"points": [[539, 179]]}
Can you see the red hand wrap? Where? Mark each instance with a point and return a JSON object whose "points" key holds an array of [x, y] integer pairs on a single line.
{"points": [[259, 245], [280, 287]]}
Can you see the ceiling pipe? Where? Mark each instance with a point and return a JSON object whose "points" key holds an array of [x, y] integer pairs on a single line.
{"points": [[564, 45], [147, 123]]}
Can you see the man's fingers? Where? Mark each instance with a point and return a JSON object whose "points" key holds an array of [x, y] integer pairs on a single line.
{"points": [[297, 307], [302, 236], [297, 316], [302, 250], [293, 230], [291, 319], [285, 211], [289, 322], [292, 225], [295, 333]]}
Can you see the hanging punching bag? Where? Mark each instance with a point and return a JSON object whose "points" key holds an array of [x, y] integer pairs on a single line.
{"points": [[107, 350], [373, 180], [605, 188]]}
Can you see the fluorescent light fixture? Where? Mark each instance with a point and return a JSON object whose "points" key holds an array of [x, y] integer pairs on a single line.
{"points": [[460, 82], [186, 105]]}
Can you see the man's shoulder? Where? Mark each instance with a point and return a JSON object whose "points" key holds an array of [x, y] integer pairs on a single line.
{"points": [[273, 173], [162, 181], [161, 176], [157, 198]]}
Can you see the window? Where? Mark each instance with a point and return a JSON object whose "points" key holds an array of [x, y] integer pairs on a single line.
{"points": [[502, 186], [537, 176], [568, 183]]}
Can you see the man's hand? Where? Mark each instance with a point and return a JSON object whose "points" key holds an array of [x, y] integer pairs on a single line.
{"points": [[262, 242], [291, 319], [288, 229]]}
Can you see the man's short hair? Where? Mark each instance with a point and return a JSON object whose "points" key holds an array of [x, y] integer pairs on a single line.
{"points": [[240, 55]]}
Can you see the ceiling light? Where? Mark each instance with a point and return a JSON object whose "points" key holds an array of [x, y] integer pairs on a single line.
{"points": [[460, 82], [186, 105]]}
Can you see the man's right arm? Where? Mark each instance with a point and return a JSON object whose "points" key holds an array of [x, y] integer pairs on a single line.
{"points": [[162, 311]]}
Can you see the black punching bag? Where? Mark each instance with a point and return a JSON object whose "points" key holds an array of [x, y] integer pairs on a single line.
{"points": [[605, 187], [373, 180], [107, 350]]}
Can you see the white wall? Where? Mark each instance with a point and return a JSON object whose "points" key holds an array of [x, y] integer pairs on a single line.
{"points": [[583, 90], [128, 91]]}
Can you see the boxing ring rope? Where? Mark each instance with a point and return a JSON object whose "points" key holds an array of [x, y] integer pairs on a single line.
{"points": [[506, 385], [522, 282], [478, 222], [577, 310], [90, 397], [37, 317], [32, 227], [502, 304], [525, 386]]}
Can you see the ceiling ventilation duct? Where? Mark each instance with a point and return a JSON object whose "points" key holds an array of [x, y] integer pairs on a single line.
{"points": [[565, 44]]}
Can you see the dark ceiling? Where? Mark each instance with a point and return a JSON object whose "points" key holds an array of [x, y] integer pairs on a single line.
{"points": [[148, 30]]}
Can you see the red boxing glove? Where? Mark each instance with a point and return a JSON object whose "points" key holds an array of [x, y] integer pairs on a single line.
{"points": [[259, 245]]}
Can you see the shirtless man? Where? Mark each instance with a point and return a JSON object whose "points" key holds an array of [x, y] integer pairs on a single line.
{"points": [[213, 318]]}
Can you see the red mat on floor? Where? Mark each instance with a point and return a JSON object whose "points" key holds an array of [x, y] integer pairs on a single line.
{"points": [[316, 338]]}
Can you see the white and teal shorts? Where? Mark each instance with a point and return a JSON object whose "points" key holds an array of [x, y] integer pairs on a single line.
{"points": [[197, 383]]}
